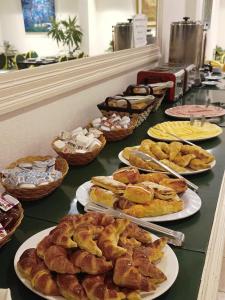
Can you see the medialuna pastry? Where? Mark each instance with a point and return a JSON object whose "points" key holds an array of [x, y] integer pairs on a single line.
{"points": [[127, 175]]}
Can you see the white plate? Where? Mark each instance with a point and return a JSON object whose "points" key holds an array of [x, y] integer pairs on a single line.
{"points": [[168, 265], [192, 204], [188, 172], [219, 112], [213, 77], [210, 83]]}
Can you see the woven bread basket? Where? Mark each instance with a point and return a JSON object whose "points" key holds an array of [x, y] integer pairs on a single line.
{"points": [[120, 134], [38, 192], [80, 159], [16, 225]]}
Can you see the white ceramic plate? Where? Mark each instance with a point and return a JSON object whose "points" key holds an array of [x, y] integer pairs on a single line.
{"points": [[213, 77], [188, 172], [219, 112], [192, 204], [169, 265], [213, 83]]}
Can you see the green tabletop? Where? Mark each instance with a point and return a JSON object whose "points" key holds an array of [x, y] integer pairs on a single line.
{"points": [[197, 228]]}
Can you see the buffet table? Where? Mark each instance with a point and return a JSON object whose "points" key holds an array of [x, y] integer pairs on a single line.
{"points": [[197, 228]]}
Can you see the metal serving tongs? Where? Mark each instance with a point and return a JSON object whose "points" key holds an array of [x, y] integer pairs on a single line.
{"points": [[175, 238], [148, 157]]}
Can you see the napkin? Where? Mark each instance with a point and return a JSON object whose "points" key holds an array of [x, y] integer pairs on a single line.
{"points": [[5, 294]]}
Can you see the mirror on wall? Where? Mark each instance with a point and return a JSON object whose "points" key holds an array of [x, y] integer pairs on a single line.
{"points": [[81, 28]]}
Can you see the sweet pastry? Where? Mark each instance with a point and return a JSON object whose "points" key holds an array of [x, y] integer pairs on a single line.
{"points": [[70, 288], [42, 280], [97, 289], [102, 196], [173, 166], [155, 208], [198, 152], [28, 260], [43, 246], [178, 185], [62, 235], [175, 148], [139, 194], [199, 164], [108, 183], [153, 177], [127, 275], [158, 152], [85, 236], [183, 160], [56, 259], [140, 163], [109, 238], [134, 231], [159, 191], [127, 175], [127, 151], [89, 263]]}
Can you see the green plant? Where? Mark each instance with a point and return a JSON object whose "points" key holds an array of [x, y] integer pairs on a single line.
{"points": [[66, 32]]}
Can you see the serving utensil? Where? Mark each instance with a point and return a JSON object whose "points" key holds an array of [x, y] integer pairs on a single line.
{"points": [[175, 238], [148, 157]]}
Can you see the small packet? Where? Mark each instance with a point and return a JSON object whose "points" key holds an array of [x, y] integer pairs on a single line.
{"points": [[3, 233], [7, 202]]}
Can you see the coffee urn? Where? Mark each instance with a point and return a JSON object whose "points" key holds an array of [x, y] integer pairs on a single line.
{"points": [[187, 43], [123, 35]]}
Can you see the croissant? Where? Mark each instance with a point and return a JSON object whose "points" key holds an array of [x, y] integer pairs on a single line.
{"points": [[95, 218], [175, 148], [62, 235], [89, 263], [152, 251], [85, 236], [70, 287], [43, 245], [128, 276], [42, 281], [198, 152], [108, 239], [173, 166], [134, 231], [28, 260], [140, 163], [153, 177], [155, 208], [164, 147], [156, 150], [56, 260], [178, 185], [96, 289], [198, 164], [127, 151]]}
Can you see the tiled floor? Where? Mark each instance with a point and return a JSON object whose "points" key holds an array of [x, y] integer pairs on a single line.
{"points": [[221, 293]]}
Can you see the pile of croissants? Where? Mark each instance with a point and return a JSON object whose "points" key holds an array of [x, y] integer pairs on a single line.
{"points": [[94, 256]]}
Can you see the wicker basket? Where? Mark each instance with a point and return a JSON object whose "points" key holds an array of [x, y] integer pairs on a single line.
{"points": [[80, 159], [159, 99], [38, 192], [11, 232], [139, 114], [120, 134]]}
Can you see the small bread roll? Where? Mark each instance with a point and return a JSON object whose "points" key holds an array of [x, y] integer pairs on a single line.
{"points": [[102, 196], [108, 183]]}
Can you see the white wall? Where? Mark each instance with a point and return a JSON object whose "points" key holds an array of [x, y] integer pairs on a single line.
{"points": [[12, 27], [108, 13], [221, 26], [171, 11]]}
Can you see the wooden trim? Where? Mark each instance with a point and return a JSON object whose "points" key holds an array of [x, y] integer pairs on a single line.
{"points": [[214, 257], [29, 86]]}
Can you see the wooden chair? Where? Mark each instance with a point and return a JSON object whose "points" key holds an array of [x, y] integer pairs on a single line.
{"points": [[3, 61], [31, 54], [63, 58], [19, 58]]}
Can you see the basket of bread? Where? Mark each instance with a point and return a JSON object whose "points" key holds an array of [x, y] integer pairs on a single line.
{"points": [[115, 127], [94, 256], [158, 90], [11, 215], [34, 177], [138, 107], [182, 158], [80, 146]]}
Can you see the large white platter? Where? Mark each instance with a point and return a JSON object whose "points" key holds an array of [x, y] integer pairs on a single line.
{"points": [[192, 204], [169, 265], [188, 172], [183, 129], [217, 111]]}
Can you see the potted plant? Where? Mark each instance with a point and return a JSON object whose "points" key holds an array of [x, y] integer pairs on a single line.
{"points": [[66, 32]]}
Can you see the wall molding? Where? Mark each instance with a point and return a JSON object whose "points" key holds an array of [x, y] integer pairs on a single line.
{"points": [[214, 256], [30, 86]]}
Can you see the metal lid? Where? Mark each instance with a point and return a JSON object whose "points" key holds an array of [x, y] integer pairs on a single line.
{"points": [[187, 21]]}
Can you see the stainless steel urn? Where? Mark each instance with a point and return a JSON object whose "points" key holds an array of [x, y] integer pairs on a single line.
{"points": [[123, 36], [187, 42]]}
